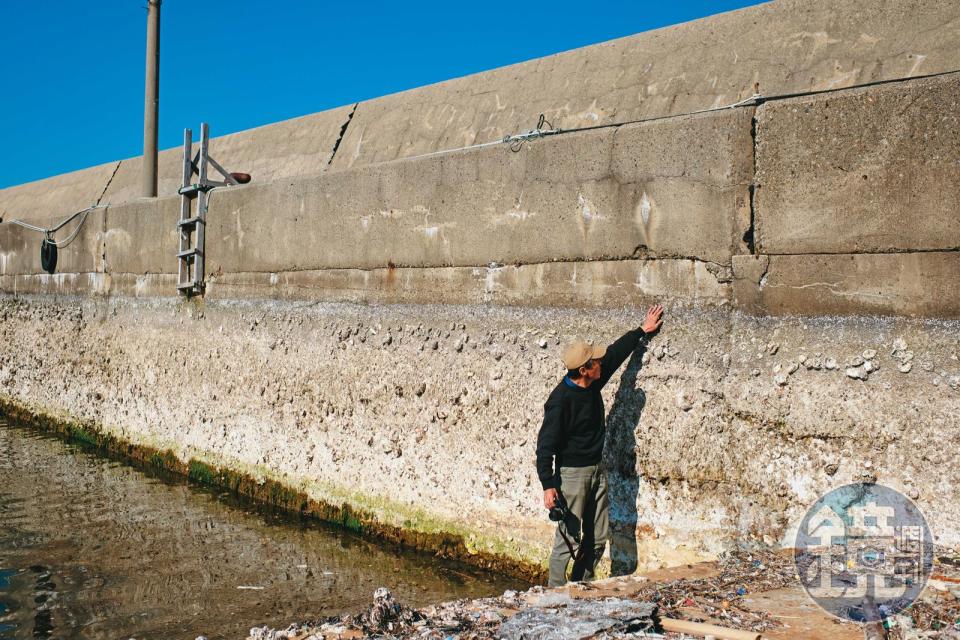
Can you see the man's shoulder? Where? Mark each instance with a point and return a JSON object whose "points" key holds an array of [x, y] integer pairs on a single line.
{"points": [[558, 393]]}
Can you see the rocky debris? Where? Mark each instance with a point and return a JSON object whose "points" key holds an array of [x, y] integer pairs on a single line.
{"points": [[385, 609], [856, 373], [684, 400], [721, 597], [936, 613], [901, 354], [290, 633], [860, 367], [564, 618], [583, 610]]}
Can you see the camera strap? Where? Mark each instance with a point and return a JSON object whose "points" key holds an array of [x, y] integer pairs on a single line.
{"points": [[575, 555]]}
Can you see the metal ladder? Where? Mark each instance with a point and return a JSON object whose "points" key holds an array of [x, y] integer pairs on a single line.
{"points": [[190, 255]]}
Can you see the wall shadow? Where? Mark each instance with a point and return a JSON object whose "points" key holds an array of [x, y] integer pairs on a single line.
{"points": [[620, 459]]}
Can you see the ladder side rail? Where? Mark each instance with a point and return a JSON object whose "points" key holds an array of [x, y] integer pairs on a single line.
{"points": [[202, 196], [228, 179], [183, 269]]}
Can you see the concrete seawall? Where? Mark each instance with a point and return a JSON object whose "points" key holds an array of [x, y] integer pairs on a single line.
{"points": [[381, 327]]}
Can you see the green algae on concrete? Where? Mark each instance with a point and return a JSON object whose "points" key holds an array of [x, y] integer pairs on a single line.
{"points": [[372, 516]]}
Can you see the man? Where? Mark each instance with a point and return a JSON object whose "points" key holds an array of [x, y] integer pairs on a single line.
{"points": [[570, 446]]}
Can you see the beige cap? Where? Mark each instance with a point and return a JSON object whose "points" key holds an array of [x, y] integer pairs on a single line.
{"points": [[579, 353]]}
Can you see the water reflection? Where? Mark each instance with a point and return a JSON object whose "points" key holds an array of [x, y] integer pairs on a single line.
{"points": [[92, 548]]}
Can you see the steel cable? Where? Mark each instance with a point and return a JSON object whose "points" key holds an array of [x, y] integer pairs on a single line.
{"points": [[48, 233]]}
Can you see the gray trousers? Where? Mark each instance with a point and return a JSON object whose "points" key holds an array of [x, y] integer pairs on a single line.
{"points": [[585, 489]]}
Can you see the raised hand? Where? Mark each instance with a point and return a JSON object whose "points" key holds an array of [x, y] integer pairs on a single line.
{"points": [[654, 318]]}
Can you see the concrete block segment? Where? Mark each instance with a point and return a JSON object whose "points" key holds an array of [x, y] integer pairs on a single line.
{"points": [[867, 170], [600, 284], [688, 180], [142, 237], [297, 147], [666, 188], [57, 197], [66, 284], [20, 248], [912, 284], [788, 46]]}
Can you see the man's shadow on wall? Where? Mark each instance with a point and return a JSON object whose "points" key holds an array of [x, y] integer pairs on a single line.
{"points": [[620, 458]]}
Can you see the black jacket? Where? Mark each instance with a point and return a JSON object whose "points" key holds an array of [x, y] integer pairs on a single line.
{"points": [[573, 417]]}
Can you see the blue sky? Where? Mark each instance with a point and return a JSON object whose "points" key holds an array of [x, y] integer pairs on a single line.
{"points": [[72, 72]]}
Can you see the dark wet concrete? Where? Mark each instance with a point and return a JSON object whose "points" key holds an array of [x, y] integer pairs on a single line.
{"points": [[93, 548]]}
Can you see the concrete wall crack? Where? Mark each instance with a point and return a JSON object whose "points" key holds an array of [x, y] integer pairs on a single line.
{"points": [[109, 182], [343, 132], [103, 230], [749, 237]]}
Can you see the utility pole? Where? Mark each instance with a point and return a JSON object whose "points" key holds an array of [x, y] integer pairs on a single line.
{"points": [[151, 101]]}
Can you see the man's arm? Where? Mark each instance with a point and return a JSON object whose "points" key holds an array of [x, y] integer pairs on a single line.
{"points": [[617, 353], [620, 350], [548, 442]]}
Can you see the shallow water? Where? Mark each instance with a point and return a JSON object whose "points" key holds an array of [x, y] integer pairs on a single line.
{"points": [[93, 548]]}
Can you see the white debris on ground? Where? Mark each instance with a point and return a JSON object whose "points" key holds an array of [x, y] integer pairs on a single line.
{"points": [[583, 611]]}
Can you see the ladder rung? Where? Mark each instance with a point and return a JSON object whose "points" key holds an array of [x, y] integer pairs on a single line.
{"points": [[192, 189], [189, 252], [182, 286], [190, 222]]}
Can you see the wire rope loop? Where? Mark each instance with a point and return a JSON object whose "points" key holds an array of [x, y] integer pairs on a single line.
{"points": [[48, 234]]}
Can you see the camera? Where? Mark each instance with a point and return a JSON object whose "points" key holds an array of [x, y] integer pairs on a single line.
{"points": [[560, 509]]}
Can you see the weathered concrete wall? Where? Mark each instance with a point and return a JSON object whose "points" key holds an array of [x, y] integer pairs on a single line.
{"points": [[730, 426], [678, 188], [782, 47], [869, 170], [777, 48], [382, 329]]}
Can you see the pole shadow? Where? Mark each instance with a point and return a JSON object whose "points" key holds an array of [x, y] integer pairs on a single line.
{"points": [[620, 459]]}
